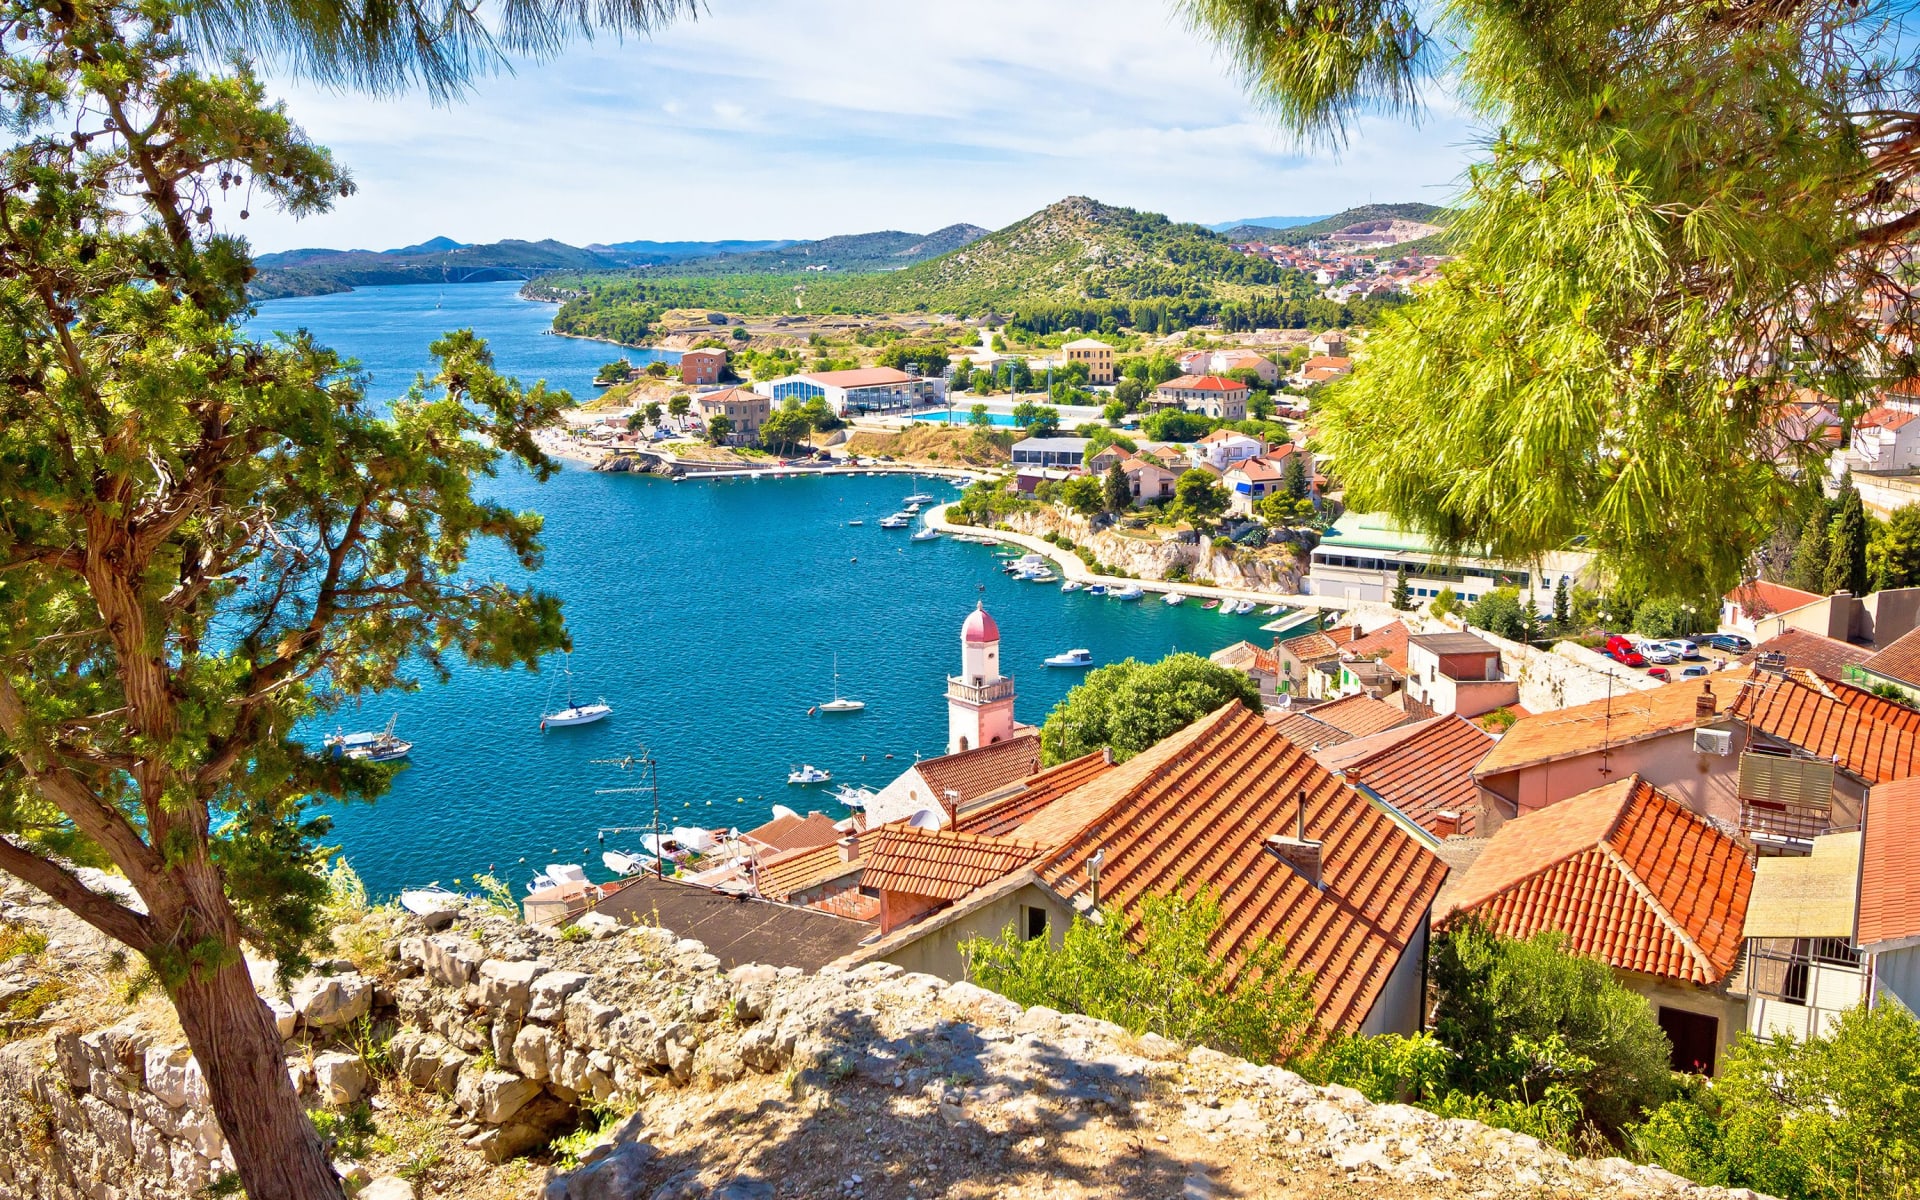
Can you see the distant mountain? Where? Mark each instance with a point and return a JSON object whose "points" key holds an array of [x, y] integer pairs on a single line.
{"points": [[1408, 221], [438, 245], [887, 250], [441, 260], [665, 251], [1227, 227]]}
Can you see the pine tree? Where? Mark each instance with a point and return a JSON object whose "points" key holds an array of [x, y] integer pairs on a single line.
{"points": [[1562, 609], [1119, 496], [1847, 545], [1297, 483], [1402, 596], [1808, 571]]}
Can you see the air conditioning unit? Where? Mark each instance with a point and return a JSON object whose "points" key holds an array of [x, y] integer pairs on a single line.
{"points": [[1713, 741]]}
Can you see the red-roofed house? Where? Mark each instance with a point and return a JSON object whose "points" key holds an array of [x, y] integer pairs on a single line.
{"points": [[1887, 437], [863, 390], [1636, 879], [1224, 447], [1294, 856], [1747, 608], [1425, 770], [1887, 927], [1455, 673], [1250, 481], [1211, 395]]}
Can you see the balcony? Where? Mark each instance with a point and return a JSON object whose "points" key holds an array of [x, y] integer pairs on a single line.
{"points": [[960, 689], [1775, 821]]}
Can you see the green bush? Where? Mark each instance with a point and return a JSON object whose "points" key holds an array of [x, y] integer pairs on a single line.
{"points": [[1130, 705]]}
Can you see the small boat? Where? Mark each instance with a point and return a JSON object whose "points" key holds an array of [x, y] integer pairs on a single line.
{"points": [[1071, 585], [852, 796], [1097, 589], [1042, 576], [924, 535], [856, 521], [1272, 610], [809, 774], [1132, 591], [557, 875], [1211, 604], [370, 747], [575, 713], [912, 509], [1005, 552], [1175, 598], [1072, 658], [425, 901], [1243, 608]]}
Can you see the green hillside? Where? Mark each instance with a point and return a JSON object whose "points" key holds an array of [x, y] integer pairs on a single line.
{"points": [[1300, 235], [887, 250], [1072, 264]]}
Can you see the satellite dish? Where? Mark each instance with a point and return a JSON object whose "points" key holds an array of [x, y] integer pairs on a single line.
{"points": [[925, 818], [781, 810]]}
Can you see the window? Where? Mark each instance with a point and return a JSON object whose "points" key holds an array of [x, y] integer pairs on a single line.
{"points": [[1033, 922], [1695, 1037]]}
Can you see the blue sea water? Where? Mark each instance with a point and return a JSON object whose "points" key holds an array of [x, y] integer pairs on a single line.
{"points": [[708, 614]]}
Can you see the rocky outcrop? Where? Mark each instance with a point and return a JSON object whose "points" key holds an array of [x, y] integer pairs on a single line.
{"points": [[1275, 568]]}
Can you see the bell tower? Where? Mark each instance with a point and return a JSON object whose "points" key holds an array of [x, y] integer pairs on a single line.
{"points": [[979, 699]]}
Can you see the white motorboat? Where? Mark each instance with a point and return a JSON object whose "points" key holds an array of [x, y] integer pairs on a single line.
{"points": [[839, 703], [1072, 658], [924, 535], [1132, 591], [431, 899], [896, 521], [370, 747], [809, 774], [1175, 598], [558, 875], [852, 796], [1041, 576], [574, 713], [856, 521], [1272, 610], [623, 865], [1243, 608], [1071, 585]]}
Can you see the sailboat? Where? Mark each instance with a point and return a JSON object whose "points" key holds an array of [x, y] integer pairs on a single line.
{"points": [[574, 713], [839, 703]]}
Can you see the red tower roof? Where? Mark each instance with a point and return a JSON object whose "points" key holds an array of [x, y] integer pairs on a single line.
{"points": [[979, 626]]}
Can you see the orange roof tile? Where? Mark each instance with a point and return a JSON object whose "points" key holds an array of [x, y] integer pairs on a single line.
{"points": [[852, 903], [1630, 875], [1875, 739], [1195, 811], [1422, 770], [1761, 598], [1387, 643], [1626, 717], [1298, 726], [1884, 418], [1826, 657], [1358, 715], [797, 870], [1900, 660], [1204, 383], [943, 864], [1889, 910], [786, 833], [983, 770], [1004, 815], [1312, 647]]}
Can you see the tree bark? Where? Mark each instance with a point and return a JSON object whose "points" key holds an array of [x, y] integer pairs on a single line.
{"points": [[233, 1036]]}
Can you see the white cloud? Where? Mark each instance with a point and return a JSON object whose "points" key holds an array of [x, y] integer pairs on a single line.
{"points": [[803, 118]]}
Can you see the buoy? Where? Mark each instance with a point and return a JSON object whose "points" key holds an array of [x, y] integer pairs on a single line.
{"points": [[889, 756], [814, 709]]}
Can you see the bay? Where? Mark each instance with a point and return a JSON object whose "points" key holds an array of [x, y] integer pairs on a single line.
{"points": [[708, 614]]}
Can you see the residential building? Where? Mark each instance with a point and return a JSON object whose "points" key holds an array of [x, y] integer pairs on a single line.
{"points": [[1361, 558], [1224, 447], [1802, 969], [1342, 884], [1760, 610], [745, 410], [1796, 649], [1680, 737], [737, 929], [1298, 655], [934, 790], [1322, 368], [1347, 718], [1887, 437], [790, 831], [1634, 878], [979, 699], [1210, 395], [1424, 770], [1331, 344], [1261, 666], [702, 366], [1747, 608], [1896, 666], [858, 392], [1456, 673], [1147, 480], [1250, 481], [1887, 927], [1097, 354], [1387, 644], [1064, 452], [1225, 362]]}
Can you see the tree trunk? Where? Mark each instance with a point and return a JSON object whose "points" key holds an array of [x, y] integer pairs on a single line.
{"points": [[233, 1036]]}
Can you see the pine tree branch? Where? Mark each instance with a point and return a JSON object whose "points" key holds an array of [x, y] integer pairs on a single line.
{"points": [[109, 916]]}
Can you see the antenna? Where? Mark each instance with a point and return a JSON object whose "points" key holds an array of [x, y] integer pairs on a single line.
{"points": [[647, 764]]}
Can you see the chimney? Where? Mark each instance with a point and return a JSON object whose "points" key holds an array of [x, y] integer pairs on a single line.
{"points": [[1705, 706], [849, 849], [1445, 823], [1297, 851], [950, 801]]}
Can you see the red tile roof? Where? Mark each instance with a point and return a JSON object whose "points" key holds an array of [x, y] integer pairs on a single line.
{"points": [[943, 864], [1889, 910], [1358, 715], [1387, 643], [1204, 383], [1195, 811], [983, 770], [1327, 362], [1626, 717], [1312, 647], [1900, 660], [1886, 418], [1875, 739], [1003, 816], [1257, 470], [1760, 598], [1826, 657], [797, 870], [796, 833], [1422, 770], [1298, 726], [1630, 875]]}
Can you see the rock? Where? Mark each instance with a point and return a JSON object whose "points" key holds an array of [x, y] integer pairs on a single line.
{"points": [[741, 1187], [506, 986], [620, 1175], [533, 1050], [285, 1020], [340, 1078], [599, 926], [329, 1001], [587, 1019], [174, 1077], [493, 1096], [451, 959], [387, 1187], [547, 995]]}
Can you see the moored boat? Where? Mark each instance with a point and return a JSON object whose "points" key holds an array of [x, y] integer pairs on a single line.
{"points": [[431, 899], [370, 747], [1079, 657], [1211, 604], [924, 535], [809, 774], [1175, 598], [1132, 591], [898, 520], [574, 712], [1071, 585]]}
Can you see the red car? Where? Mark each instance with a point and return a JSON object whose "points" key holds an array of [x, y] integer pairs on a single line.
{"points": [[1621, 650]]}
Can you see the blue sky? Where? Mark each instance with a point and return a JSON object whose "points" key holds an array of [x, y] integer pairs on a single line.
{"points": [[805, 118]]}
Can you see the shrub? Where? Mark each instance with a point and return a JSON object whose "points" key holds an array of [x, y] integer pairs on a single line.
{"points": [[1130, 705]]}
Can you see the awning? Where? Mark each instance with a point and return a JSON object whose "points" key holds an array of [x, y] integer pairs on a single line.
{"points": [[1807, 897]]}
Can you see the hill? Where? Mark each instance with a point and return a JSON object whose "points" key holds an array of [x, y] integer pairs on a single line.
{"points": [[1407, 221], [1227, 227], [1072, 264], [317, 272], [887, 250], [673, 251]]}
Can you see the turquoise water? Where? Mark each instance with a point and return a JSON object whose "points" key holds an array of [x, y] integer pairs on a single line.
{"points": [[963, 417], [708, 614]]}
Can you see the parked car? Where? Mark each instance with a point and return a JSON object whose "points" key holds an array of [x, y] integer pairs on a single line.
{"points": [[1657, 652], [1624, 652], [1685, 649], [1660, 673], [1693, 672], [1732, 643]]}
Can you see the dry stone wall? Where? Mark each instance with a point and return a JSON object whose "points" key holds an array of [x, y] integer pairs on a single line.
{"points": [[750, 1084]]}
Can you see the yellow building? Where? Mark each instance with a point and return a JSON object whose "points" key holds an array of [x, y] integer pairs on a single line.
{"points": [[1096, 354]]}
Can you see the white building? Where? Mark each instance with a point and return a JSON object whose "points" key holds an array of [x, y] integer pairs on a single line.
{"points": [[854, 393], [1224, 447], [979, 699], [1361, 557]]}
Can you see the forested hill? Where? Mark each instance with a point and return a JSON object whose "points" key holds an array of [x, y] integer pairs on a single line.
{"points": [[887, 250], [1300, 235], [1076, 262]]}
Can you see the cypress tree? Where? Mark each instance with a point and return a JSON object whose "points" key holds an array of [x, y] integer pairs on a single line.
{"points": [[1297, 484], [1402, 597], [1118, 496], [1809, 569], [1562, 609], [1847, 545]]}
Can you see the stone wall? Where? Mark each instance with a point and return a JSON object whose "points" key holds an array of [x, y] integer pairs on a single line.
{"points": [[752, 1084]]}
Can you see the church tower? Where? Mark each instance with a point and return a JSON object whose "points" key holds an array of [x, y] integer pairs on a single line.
{"points": [[979, 699]]}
